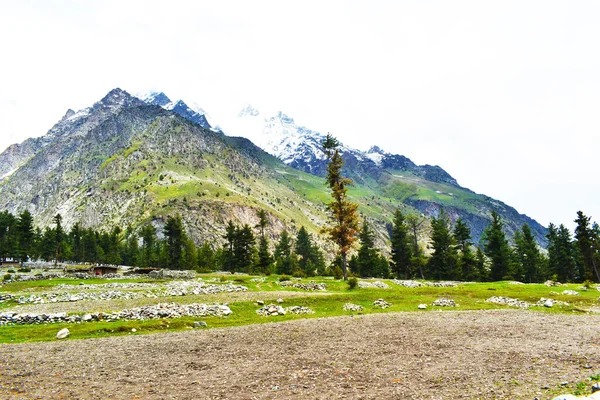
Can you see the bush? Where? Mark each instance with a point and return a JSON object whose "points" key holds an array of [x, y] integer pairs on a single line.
{"points": [[24, 269], [337, 272], [6, 277], [284, 278], [588, 284], [352, 283], [11, 271], [299, 274]]}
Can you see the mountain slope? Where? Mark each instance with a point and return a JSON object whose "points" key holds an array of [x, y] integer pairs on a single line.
{"points": [[126, 161], [426, 188]]}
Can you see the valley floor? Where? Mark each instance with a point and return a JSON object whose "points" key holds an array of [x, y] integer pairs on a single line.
{"points": [[435, 355]]}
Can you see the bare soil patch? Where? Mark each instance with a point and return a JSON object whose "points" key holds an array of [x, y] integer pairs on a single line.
{"points": [[432, 355]]}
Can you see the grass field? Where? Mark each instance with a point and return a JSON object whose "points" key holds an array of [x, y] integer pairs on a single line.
{"points": [[329, 303]]}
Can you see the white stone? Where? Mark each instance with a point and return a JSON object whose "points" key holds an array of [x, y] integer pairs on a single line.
{"points": [[63, 333], [422, 306]]}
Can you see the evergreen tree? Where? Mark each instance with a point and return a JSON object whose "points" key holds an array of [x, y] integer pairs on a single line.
{"points": [[244, 249], [466, 263], [368, 257], [561, 254], [25, 236], [8, 236], [482, 270], [75, 236], [415, 224], [229, 256], [311, 259], [528, 255], [344, 228], [265, 259], [131, 252], [148, 235], [283, 254], [206, 258], [59, 238], [401, 248], [189, 254], [113, 249], [497, 249], [584, 237], [174, 240], [442, 263]]}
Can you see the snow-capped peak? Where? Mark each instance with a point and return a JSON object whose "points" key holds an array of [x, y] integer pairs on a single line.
{"points": [[248, 110]]}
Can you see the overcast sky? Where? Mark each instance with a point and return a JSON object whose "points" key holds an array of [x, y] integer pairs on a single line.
{"points": [[503, 95]]}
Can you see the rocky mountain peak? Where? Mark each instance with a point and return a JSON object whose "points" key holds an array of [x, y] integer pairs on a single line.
{"points": [[248, 110], [157, 99], [119, 98]]}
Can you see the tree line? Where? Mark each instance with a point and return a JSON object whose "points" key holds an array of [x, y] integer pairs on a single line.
{"points": [[453, 255]]}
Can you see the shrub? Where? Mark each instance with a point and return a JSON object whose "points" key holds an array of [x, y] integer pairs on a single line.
{"points": [[588, 284], [299, 274], [11, 271], [24, 269], [6, 277], [352, 283], [337, 272], [284, 278]]}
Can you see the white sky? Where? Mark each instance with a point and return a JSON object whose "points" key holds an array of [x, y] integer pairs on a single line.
{"points": [[503, 95]]}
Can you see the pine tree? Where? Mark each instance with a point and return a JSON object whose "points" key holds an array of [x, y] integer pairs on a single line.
{"points": [[265, 259], [59, 238], [310, 258], [229, 256], [75, 236], [243, 249], [442, 263], [497, 249], [283, 254], [148, 235], [24, 236], [528, 255], [175, 238], [467, 263], [584, 237], [368, 257], [415, 225], [206, 258], [8, 236], [401, 249], [343, 212]]}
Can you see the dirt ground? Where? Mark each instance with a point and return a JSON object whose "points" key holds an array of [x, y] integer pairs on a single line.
{"points": [[434, 355]]}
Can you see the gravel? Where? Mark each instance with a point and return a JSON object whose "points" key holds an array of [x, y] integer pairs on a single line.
{"points": [[473, 354]]}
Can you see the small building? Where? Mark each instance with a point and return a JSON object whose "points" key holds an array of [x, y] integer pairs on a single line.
{"points": [[104, 269], [144, 271]]}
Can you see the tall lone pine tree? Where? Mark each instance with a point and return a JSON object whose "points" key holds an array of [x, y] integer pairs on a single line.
{"points": [[344, 228]]}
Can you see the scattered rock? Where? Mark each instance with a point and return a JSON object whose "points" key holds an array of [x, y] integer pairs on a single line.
{"points": [[381, 303], [260, 302], [376, 284], [273, 310], [550, 303], [443, 302], [570, 292], [407, 283], [441, 284], [596, 387], [422, 306], [551, 283], [63, 333], [352, 307], [280, 300], [133, 330], [508, 301], [304, 286], [200, 324]]}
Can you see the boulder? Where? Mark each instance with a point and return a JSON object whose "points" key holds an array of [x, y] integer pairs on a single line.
{"points": [[63, 333]]}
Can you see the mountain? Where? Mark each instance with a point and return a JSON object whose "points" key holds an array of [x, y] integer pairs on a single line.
{"points": [[129, 161], [178, 107], [427, 188]]}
